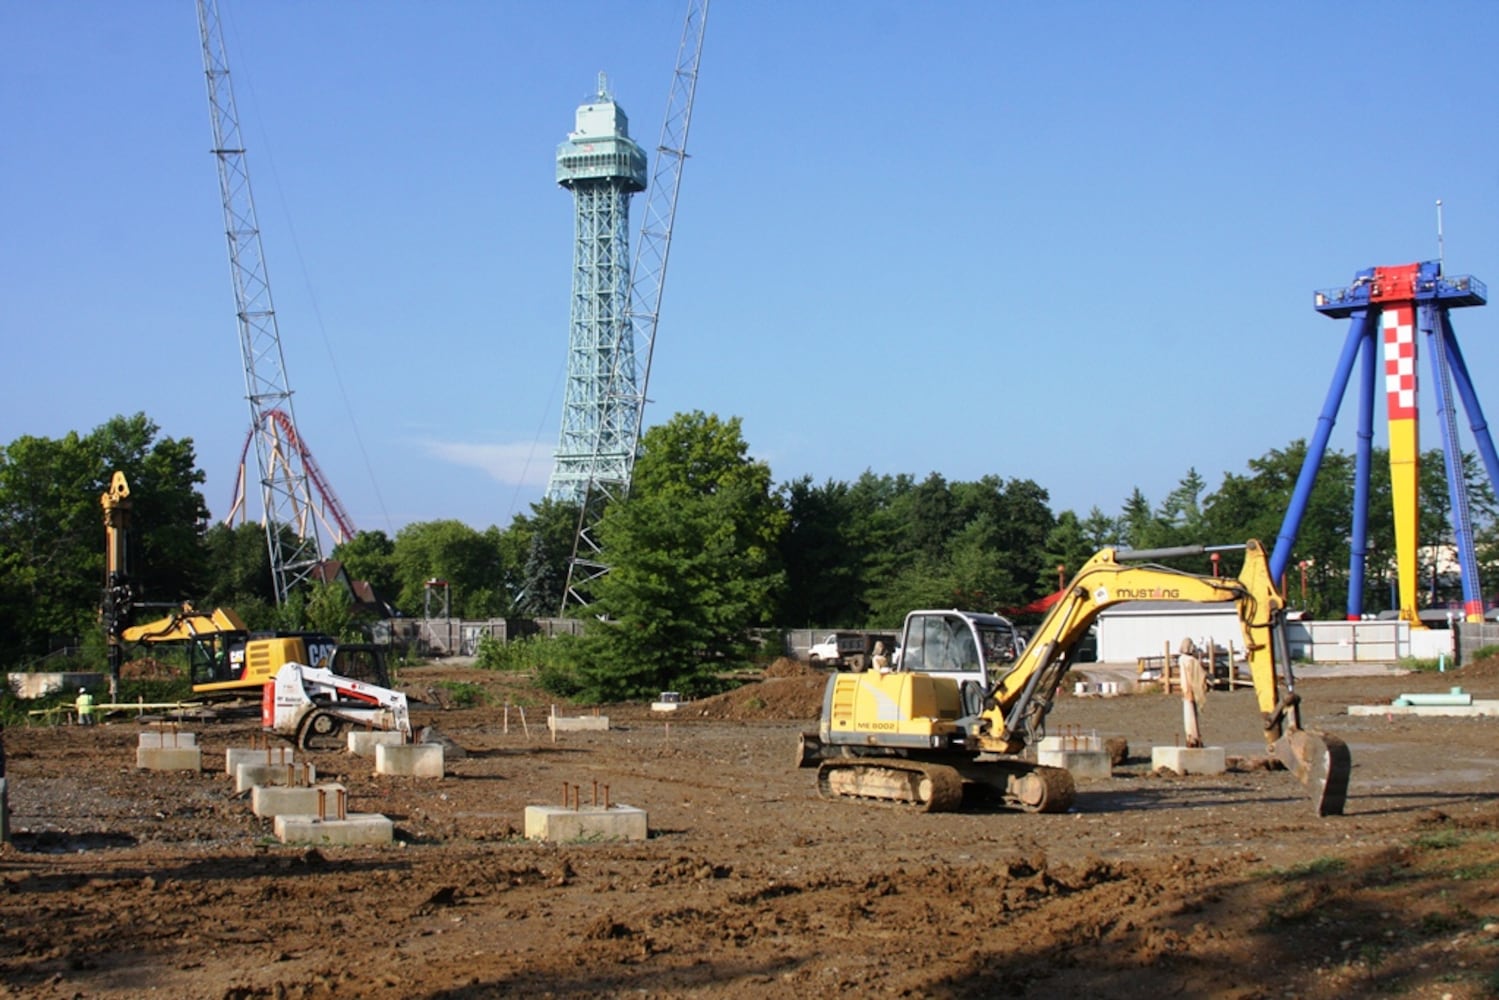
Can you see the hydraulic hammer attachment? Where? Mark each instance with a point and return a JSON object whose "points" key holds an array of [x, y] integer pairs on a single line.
{"points": [[1319, 761]]}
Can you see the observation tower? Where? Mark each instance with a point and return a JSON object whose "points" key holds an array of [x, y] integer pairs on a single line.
{"points": [[602, 166]]}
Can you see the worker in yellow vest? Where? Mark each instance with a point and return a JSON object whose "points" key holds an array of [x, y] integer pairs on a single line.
{"points": [[84, 705]]}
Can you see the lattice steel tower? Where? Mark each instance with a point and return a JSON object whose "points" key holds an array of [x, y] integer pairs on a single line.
{"points": [[295, 547], [602, 166]]}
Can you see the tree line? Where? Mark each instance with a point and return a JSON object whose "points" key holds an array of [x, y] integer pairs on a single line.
{"points": [[706, 546]]}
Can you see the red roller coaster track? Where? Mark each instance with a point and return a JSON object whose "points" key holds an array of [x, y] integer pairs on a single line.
{"points": [[335, 519]]}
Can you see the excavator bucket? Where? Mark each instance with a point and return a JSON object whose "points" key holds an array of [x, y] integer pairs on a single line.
{"points": [[1321, 762]]}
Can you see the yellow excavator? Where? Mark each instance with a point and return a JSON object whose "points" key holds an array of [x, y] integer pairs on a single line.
{"points": [[226, 659], [965, 702]]}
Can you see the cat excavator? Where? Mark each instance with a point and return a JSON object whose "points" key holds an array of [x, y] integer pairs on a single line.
{"points": [[965, 701], [226, 659]]}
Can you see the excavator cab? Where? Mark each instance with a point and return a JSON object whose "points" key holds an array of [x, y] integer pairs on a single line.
{"points": [[217, 658], [962, 645]]}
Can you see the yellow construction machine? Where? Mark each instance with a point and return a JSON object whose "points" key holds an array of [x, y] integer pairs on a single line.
{"points": [[964, 702], [225, 658]]}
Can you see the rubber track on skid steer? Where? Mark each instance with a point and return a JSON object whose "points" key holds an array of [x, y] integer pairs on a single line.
{"points": [[308, 738], [892, 781]]}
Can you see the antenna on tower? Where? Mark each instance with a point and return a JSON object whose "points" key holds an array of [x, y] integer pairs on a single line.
{"points": [[1441, 250]]}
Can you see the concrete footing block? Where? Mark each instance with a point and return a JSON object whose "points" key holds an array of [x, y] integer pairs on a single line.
{"points": [[248, 776], [353, 829], [169, 758], [235, 756], [411, 760], [166, 738], [1082, 763], [578, 723], [362, 742], [558, 823], [329, 800], [1190, 760]]}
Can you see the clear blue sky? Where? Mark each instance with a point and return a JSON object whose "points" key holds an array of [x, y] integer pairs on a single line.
{"points": [[1069, 242]]}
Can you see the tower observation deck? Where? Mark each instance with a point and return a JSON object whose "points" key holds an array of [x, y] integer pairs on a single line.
{"points": [[602, 166]]}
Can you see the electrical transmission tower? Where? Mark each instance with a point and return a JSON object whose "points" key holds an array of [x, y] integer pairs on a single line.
{"points": [[295, 546], [613, 408]]}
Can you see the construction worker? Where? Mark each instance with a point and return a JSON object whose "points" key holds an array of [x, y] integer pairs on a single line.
{"points": [[84, 706], [879, 660], [1194, 690]]}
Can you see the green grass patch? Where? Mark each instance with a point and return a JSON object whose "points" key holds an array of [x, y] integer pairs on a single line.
{"points": [[1309, 869], [1438, 840], [462, 694]]}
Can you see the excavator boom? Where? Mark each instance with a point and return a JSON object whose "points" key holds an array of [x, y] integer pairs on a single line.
{"points": [[186, 624]]}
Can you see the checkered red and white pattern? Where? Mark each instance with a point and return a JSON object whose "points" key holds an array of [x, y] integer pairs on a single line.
{"points": [[1400, 360]]}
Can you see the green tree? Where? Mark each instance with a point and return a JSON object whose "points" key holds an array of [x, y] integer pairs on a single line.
{"points": [[1139, 525], [371, 556], [1254, 506], [330, 610], [823, 552], [540, 546], [1182, 509], [693, 564], [1073, 541], [52, 538], [239, 572], [468, 560]]}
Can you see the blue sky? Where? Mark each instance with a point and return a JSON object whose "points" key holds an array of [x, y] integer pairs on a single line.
{"points": [[1071, 242]]}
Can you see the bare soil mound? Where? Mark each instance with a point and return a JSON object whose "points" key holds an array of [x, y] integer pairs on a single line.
{"points": [[795, 697], [785, 666], [1487, 667]]}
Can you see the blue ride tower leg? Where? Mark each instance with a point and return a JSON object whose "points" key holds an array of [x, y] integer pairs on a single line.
{"points": [[1476, 421], [1358, 331], [1363, 462], [1457, 488]]}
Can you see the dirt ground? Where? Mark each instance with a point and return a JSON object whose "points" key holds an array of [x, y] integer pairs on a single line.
{"points": [[126, 883]]}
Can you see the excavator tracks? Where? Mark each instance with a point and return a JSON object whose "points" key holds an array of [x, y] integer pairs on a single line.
{"points": [[929, 787], [893, 781]]}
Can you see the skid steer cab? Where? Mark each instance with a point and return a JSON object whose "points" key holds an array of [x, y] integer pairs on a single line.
{"points": [[314, 707]]}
